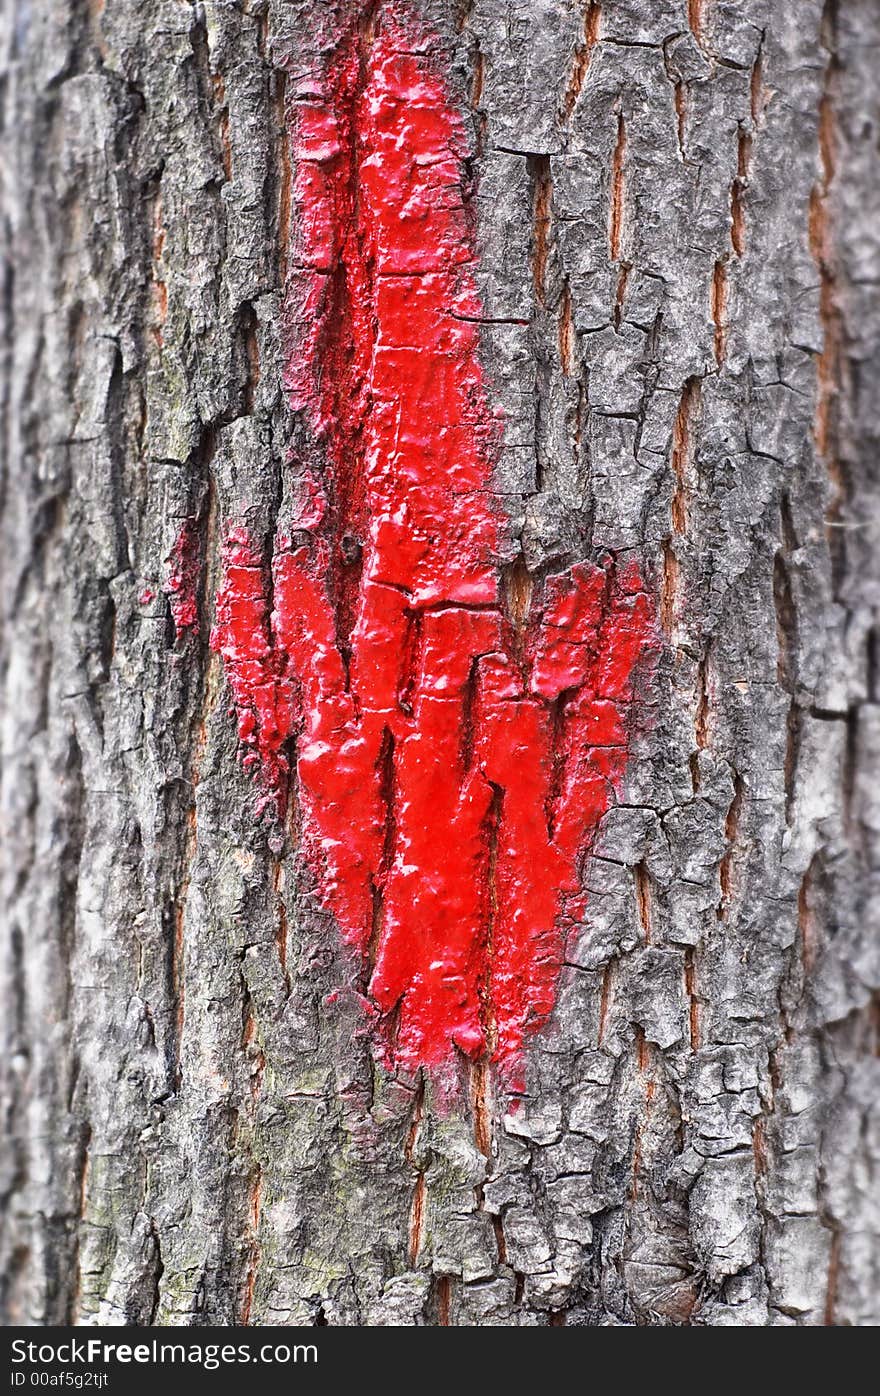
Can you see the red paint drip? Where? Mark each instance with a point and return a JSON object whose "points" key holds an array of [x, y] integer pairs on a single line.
{"points": [[181, 581], [452, 768]]}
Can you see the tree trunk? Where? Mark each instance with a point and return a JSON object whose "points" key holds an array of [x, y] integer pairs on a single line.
{"points": [[678, 222]]}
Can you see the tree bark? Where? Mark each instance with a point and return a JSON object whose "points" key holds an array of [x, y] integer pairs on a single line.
{"points": [[679, 229]]}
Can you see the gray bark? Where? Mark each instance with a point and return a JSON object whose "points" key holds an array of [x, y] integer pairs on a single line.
{"points": [[681, 199]]}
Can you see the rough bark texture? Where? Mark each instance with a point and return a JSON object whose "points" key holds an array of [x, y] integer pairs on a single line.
{"points": [[679, 219]]}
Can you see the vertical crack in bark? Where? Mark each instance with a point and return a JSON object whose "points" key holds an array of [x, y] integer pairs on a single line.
{"points": [[807, 921], [644, 895], [500, 1240], [463, 11], [559, 763], [370, 23], [478, 82], [566, 331], [669, 583], [416, 1227], [681, 460], [261, 28], [221, 108], [580, 456], [616, 203], [683, 451], [417, 1220], [117, 421], [605, 1001], [492, 831], [212, 90], [385, 767], [518, 588], [719, 309], [481, 1110], [757, 95], [761, 1159], [158, 1270], [759, 1147], [696, 14], [854, 827], [582, 55], [620, 293], [830, 359], [158, 284], [247, 321], [787, 642], [737, 192], [479, 77], [254, 1055], [542, 220], [786, 615], [443, 1299], [481, 1106], [702, 716], [691, 990], [643, 1064], [731, 835]]}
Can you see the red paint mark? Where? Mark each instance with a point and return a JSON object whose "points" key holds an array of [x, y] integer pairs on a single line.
{"points": [[256, 669], [181, 581], [454, 757], [146, 595]]}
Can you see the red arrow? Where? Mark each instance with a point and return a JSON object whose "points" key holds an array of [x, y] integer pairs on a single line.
{"points": [[455, 753]]}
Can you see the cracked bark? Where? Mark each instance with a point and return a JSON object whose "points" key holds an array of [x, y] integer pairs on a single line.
{"points": [[678, 221]]}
